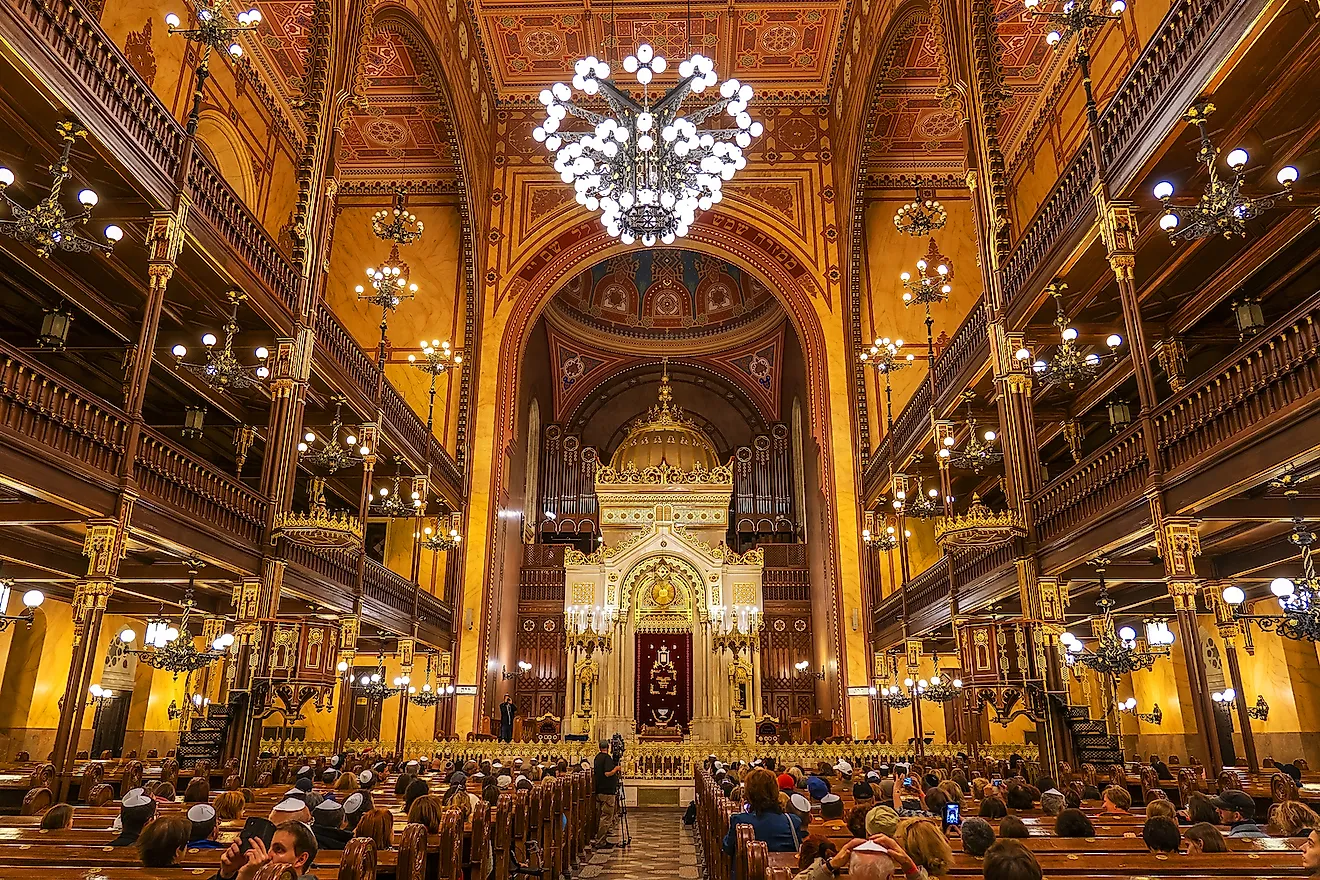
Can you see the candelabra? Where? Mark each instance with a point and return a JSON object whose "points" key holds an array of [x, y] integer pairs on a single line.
{"points": [[804, 670], [1070, 364], [429, 695], [373, 685], [925, 505], [332, 456], [589, 628], [1129, 707], [524, 668], [438, 358], [1117, 651], [980, 528], [170, 648], [222, 368], [920, 216], [213, 29], [939, 688], [886, 540], [1260, 711], [735, 628], [32, 600], [979, 452], [894, 697], [645, 167], [47, 226], [391, 502], [1223, 208]]}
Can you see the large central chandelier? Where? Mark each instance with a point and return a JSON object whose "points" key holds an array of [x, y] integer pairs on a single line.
{"points": [[647, 167]]}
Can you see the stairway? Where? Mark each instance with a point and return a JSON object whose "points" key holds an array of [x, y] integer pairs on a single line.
{"points": [[204, 740], [1092, 741]]}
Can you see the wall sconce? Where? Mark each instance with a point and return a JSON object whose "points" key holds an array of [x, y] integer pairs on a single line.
{"points": [[1120, 414], [1260, 711], [99, 696], [523, 669], [1129, 707], [32, 600], [194, 418], [54, 329], [803, 671]]}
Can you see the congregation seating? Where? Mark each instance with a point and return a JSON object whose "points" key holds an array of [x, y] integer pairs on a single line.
{"points": [[555, 816], [1116, 849]]}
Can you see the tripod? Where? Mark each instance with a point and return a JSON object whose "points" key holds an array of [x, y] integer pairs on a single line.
{"points": [[625, 832]]}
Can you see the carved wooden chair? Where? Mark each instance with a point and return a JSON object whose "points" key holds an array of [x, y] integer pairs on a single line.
{"points": [[100, 795], [1283, 788], [358, 861]]}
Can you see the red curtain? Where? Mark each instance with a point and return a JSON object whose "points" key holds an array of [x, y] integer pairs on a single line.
{"points": [[664, 678]]}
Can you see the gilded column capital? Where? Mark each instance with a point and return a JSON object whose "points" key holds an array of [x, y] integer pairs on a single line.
{"points": [[291, 362], [89, 595], [166, 234], [246, 598], [1184, 595], [1178, 540], [104, 544]]}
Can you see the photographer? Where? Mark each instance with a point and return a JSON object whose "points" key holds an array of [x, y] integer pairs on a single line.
{"points": [[606, 769]]}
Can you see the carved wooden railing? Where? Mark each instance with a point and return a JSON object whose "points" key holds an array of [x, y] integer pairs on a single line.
{"points": [[431, 609], [970, 568], [333, 566], [541, 584], [1109, 476], [786, 585], [338, 344], [42, 409], [967, 345], [214, 200], [1068, 205], [912, 424], [1244, 391], [929, 588], [389, 588], [195, 487], [76, 40], [784, 555]]}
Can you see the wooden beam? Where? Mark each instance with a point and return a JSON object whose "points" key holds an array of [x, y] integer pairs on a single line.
{"points": [[1269, 509], [36, 513]]}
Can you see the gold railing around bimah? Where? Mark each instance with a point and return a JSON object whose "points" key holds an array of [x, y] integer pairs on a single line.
{"points": [[660, 760]]}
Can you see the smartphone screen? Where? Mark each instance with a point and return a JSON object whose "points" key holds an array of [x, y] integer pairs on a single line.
{"points": [[952, 815], [908, 780]]}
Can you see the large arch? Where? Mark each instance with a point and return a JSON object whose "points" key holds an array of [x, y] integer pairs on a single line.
{"points": [[531, 285]]}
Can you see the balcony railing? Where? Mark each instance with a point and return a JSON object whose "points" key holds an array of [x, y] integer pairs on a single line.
{"points": [[389, 588], [928, 588], [338, 567], [194, 487], [44, 411], [1111, 475]]}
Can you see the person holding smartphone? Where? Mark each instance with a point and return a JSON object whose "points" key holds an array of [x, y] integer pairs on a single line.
{"points": [[909, 799], [292, 843]]}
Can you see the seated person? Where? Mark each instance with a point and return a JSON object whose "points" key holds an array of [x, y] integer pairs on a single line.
{"points": [[1205, 838], [378, 826], [1161, 835], [1289, 818], [136, 811], [862, 792], [1073, 823], [1013, 828], [799, 806], [1237, 810], [831, 814], [991, 807], [926, 845], [329, 827], [57, 818], [356, 805], [228, 805], [780, 831], [293, 844], [1010, 860], [163, 842], [290, 810], [1052, 802], [1117, 801], [856, 819], [203, 827], [1161, 769], [1162, 807], [977, 836]]}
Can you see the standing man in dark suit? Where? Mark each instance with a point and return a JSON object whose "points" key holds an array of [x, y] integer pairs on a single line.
{"points": [[507, 712]]}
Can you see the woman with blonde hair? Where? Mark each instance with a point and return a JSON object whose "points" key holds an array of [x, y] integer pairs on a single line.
{"points": [[228, 805], [1289, 817], [926, 845], [952, 791], [347, 783], [377, 826]]}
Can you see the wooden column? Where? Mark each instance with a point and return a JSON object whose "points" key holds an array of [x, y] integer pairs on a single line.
{"points": [[103, 545], [1231, 631]]}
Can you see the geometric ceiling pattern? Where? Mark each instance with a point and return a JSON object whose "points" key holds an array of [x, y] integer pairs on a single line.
{"points": [[785, 51]]}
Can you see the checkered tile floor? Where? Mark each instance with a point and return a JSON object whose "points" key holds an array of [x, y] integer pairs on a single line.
{"points": [[662, 846]]}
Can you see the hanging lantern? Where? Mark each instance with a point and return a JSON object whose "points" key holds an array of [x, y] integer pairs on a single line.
{"points": [[193, 419], [54, 329], [1249, 317], [1120, 414]]}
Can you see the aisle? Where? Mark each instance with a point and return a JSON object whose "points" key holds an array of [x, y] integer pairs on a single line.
{"points": [[662, 849]]}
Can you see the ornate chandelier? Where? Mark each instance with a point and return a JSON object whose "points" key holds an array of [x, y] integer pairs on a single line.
{"points": [[373, 686], [885, 356], [926, 504], [47, 226], [647, 168], [445, 535], [318, 527], [391, 502], [886, 540], [1222, 209], [979, 452], [332, 456], [1117, 652], [1070, 364], [932, 282], [895, 697], [428, 696], [979, 528], [1075, 17], [171, 649], [920, 216], [1299, 600], [940, 688], [398, 226], [222, 368]]}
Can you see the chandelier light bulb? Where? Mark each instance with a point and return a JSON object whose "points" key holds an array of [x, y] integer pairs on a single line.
{"points": [[208, 340], [1237, 159], [262, 353], [179, 351], [6, 177], [1217, 696], [33, 599], [1163, 190], [990, 436], [1282, 587], [127, 636], [1234, 595], [235, 50], [1069, 334], [1169, 222], [1127, 634], [1053, 37], [1031, 4], [907, 682], [113, 234], [1287, 175], [171, 634], [935, 679], [957, 682], [1130, 703], [88, 198], [1114, 340], [1117, 7], [172, 20]]}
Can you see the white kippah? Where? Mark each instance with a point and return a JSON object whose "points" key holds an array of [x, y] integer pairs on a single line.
{"points": [[328, 804], [800, 803], [497, 765], [294, 793], [305, 768], [201, 813], [135, 798], [290, 805], [830, 798], [412, 764], [756, 763], [334, 762], [353, 802], [132, 791], [873, 775], [365, 777]]}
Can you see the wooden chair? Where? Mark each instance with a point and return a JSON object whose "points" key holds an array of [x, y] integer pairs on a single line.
{"points": [[411, 864], [1229, 779], [42, 776], [1283, 788], [100, 795]]}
